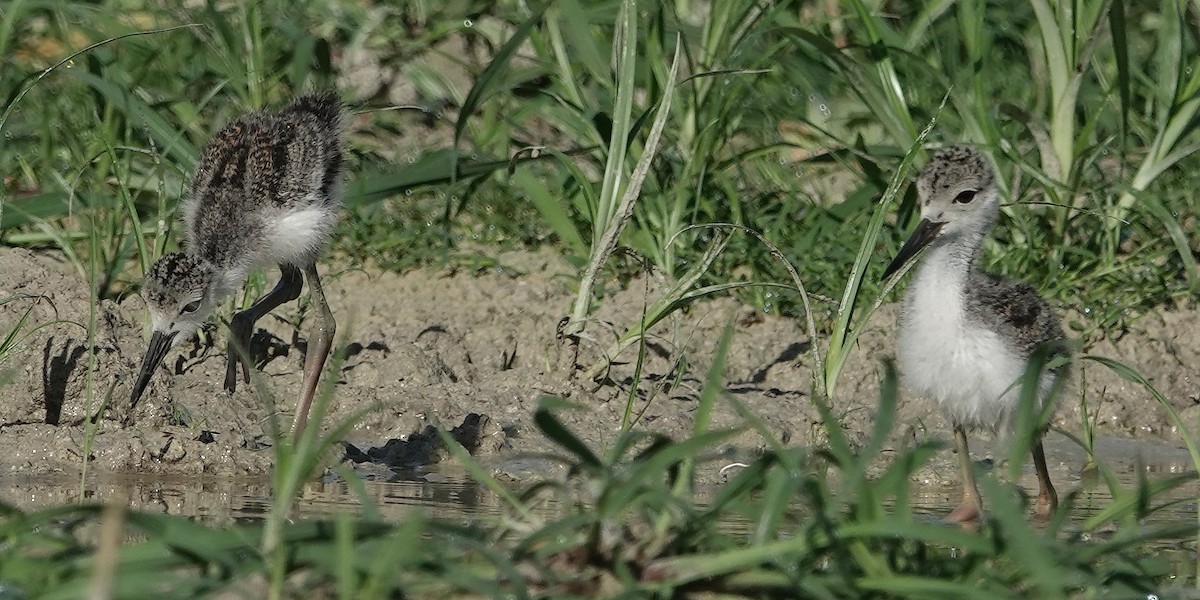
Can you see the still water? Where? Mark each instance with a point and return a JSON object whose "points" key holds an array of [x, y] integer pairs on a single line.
{"points": [[449, 494]]}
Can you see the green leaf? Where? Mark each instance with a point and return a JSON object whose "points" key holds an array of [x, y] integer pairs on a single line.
{"points": [[173, 141], [581, 40], [490, 78], [554, 210], [558, 433]]}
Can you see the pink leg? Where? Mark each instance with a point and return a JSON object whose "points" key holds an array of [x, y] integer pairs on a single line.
{"points": [[1047, 499], [319, 345], [970, 509]]}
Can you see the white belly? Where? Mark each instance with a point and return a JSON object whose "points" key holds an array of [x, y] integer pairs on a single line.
{"points": [[298, 237], [969, 371], [295, 238]]}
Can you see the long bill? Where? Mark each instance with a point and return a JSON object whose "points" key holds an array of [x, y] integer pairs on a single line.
{"points": [[160, 343], [926, 232]]}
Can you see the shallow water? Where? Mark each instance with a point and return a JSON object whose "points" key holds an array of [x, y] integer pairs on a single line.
{"points": [[449, 494], [452, 495]]}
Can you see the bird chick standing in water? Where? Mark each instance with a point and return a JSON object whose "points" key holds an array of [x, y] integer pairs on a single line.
{"points": [[966, 336], [265, 192]]}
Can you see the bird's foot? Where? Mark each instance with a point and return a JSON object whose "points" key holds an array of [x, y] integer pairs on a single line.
{"points": [[231, 368], [239, 352], [1045, 505], [968, 515]]}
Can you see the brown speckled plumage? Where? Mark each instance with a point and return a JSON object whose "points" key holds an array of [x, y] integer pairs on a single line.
{"points": [[175, 279], [956, 166], [261, 166]]}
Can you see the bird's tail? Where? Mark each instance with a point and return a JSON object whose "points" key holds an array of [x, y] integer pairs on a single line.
{"points": [[325, 106]]}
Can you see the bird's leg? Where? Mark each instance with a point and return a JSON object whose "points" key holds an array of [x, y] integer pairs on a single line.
{"points": [[319, 345], [970, 509], [241, 327], [1047, 499]]}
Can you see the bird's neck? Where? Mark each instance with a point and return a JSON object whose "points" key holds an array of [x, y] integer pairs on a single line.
{"points": [[225, 280], [948, 263], [230, 281]]}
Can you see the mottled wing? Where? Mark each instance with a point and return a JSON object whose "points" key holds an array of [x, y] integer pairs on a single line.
{"points": [[1016, 310], [216, 209], [285, 159], [307, 155], [223, 161]]}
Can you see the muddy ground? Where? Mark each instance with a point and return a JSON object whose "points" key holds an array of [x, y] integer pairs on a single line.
{"points": [[476, 352]]}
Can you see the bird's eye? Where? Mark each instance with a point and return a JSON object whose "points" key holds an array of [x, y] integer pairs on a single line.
{"points": [[965, 197], [190, 307]]}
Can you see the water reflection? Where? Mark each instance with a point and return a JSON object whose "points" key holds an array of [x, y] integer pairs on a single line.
{"points": [[228, 500], [458, 498], [446, 499]]}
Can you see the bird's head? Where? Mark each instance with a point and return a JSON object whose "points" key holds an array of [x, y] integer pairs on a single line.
{"points": [[957, 194], [180, 293]]}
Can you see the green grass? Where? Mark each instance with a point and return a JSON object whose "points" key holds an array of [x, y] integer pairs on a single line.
{"points": [[741, 147], [788, 120]]}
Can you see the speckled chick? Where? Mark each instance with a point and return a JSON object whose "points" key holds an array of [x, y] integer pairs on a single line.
{"points": [[966, 336], [265, 192]]}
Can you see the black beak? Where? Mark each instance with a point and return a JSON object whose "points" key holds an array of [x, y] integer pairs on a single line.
{"points": [[926, 232], [159, 344]]}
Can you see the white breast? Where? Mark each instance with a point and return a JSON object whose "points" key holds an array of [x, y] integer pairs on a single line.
{"points": [[968, 370]]}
